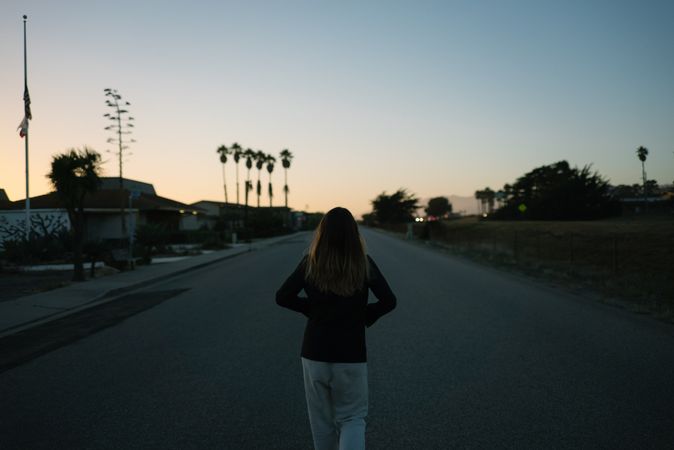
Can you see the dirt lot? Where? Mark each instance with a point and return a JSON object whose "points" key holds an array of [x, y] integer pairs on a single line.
{"points": [[627, 261]]}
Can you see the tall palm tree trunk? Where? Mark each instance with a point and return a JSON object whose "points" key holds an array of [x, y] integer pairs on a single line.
{"points": [[224, 183], [248, 188], [259, 189], [285, 187], [237, 184]]}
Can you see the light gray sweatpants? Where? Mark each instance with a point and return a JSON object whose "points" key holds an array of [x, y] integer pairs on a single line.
{"points": [[337, 399]]}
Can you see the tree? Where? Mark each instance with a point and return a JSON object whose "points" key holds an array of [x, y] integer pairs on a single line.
{"points": [[121, 125], [438, 207], [237, 152], [642, 153], [489, 197], [74, 175], [270, 160], [651, 188], [558, 192], [286, 159], [224, 151], [249, 155], [479, 196], [398, 207], [260, 160], [151, 236], [500, 197], [624, 191]]}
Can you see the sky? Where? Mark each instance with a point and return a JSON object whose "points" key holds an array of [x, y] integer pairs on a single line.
{"points": [[440, 98]]}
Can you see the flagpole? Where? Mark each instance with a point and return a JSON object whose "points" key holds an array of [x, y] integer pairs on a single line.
{"points": [[25, 84]]}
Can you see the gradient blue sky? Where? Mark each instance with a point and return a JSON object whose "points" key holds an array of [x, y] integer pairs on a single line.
{"points": [[438, 97]]}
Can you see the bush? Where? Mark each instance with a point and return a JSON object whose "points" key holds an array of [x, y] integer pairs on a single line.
{"points": [[150, 236], [213, 242], [54, 247], [266, 223]]}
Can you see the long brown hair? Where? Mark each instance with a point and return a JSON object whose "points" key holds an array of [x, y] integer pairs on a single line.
{"points": [[336, 261]]}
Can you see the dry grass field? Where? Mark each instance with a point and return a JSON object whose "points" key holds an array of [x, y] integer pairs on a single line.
{"points": [[627, 261]]}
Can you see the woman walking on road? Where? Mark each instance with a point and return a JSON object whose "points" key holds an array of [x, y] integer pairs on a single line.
{"points": [[336, 276]]}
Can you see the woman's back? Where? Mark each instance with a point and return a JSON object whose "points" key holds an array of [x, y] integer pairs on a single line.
{"points": [[336, 276], [335, 331]]}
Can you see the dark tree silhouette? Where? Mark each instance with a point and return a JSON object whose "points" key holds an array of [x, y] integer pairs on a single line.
{"points": [[651, 188], [642, 153], [489, 197], [237, 153], [270, 160], [438, 207], [286, 159], [224, 151], [74, 175], [479, 196], [260, 160], [624, 191], [249, 155], [398, 207], [558, 192]]}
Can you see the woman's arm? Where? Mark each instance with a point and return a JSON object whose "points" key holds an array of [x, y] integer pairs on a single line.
{"points": [[381, 290], [287, 296]]}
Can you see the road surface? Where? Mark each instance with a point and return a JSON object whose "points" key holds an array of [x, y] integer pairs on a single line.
{"points": [[471, 358]]}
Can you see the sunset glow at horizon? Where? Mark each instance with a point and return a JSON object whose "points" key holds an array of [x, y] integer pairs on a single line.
{"points": [[440, 98]]}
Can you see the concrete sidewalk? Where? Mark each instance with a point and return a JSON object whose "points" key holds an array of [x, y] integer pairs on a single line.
{"points": [[32, 310]]}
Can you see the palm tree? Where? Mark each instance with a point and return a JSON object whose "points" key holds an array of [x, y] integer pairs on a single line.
{"points": [[224, 151], [500, 198], [286, 158], [74, 175], [270, 160], [249, 155], [260, 159], [479, 196], [642, 153], [489, 196], [237, 151]]}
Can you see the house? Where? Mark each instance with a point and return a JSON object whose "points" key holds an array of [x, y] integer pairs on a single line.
{"points": [[103, 211], [231, 214]]}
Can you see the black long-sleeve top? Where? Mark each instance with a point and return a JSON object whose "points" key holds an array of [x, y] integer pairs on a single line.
{"points": [[335, 331]]}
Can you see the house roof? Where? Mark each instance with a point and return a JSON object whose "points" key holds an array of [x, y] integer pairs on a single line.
{"points": [[3, 197], [219, 204], [112, 183], [110, 199]]}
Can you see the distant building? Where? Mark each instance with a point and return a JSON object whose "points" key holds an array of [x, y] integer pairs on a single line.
{"points": [[230, 215]]}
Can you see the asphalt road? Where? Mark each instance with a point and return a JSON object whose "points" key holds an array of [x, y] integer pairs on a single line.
{"points": [[471, 358]]}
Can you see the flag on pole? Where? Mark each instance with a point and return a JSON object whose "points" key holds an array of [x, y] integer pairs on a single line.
{"points": [[23, 126], [26, 104]]}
